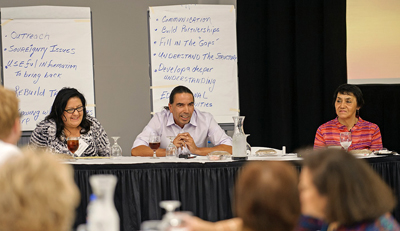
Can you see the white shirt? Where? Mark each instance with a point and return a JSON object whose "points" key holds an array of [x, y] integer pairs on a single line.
{"points": [[202, 125], [7, 150]]}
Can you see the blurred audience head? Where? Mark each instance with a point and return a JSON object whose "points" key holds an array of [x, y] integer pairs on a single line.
{"points": [[37, 193], [267, 196], [337, 187], [10, 129]]}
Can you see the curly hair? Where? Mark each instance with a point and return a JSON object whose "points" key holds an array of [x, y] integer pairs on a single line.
{"points": [[37, 193], [9, 111]]}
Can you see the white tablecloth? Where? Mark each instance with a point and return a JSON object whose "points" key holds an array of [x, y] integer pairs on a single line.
{"points": [[198, 159]]}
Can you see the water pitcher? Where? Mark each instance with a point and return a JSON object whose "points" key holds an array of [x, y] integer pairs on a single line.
{"points": [[238, 139], [103, 216]]}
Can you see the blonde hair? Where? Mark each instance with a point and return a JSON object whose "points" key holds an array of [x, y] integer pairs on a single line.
{"points": [[9, 111], [37, 193]]}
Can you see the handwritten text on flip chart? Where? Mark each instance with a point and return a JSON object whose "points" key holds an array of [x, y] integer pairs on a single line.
{"points": [[41, 56], [195, 46]]}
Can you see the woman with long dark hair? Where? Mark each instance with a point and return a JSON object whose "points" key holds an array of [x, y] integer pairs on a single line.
{"points": [[68, 118]]}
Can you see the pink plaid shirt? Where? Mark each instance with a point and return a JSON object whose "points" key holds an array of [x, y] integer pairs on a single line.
{"points": [[364, 135]]}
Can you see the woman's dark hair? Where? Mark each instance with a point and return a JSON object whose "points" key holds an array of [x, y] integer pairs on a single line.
{"points": [[58, 107], [266, 196], [346, 89], [354, 191], [176, 90]]}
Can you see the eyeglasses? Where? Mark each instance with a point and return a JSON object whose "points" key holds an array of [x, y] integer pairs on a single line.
{"points": [[72, 110]]}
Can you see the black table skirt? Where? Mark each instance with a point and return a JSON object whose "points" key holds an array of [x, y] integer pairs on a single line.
{"points": [[205, 189]]}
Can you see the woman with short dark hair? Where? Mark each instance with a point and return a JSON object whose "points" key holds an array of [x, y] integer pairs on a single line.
{"points": [[347, 100], [345, 193], [68, 118]]}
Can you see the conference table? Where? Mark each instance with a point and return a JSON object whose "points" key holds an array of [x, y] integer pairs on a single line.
{"points": [[203, 187]]}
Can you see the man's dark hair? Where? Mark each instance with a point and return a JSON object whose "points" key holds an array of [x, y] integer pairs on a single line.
{"points": [[177, 90]]}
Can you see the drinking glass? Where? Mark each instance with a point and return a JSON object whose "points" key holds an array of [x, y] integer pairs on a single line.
{"points": [[73, 145], [183, 152], [345, 140], [154, 143], [116, 150], [171, 148], [170, 206], [248, 147], [170, 220]]}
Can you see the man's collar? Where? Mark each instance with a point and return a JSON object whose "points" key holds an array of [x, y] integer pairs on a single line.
{"points": [[170, 120], [193, 119]]}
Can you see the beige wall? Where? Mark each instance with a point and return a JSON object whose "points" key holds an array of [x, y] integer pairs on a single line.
{"points": [[121, 62]]}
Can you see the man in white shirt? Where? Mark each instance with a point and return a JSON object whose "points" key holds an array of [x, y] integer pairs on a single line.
{"points": [[10, 128], [190, 127]]}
